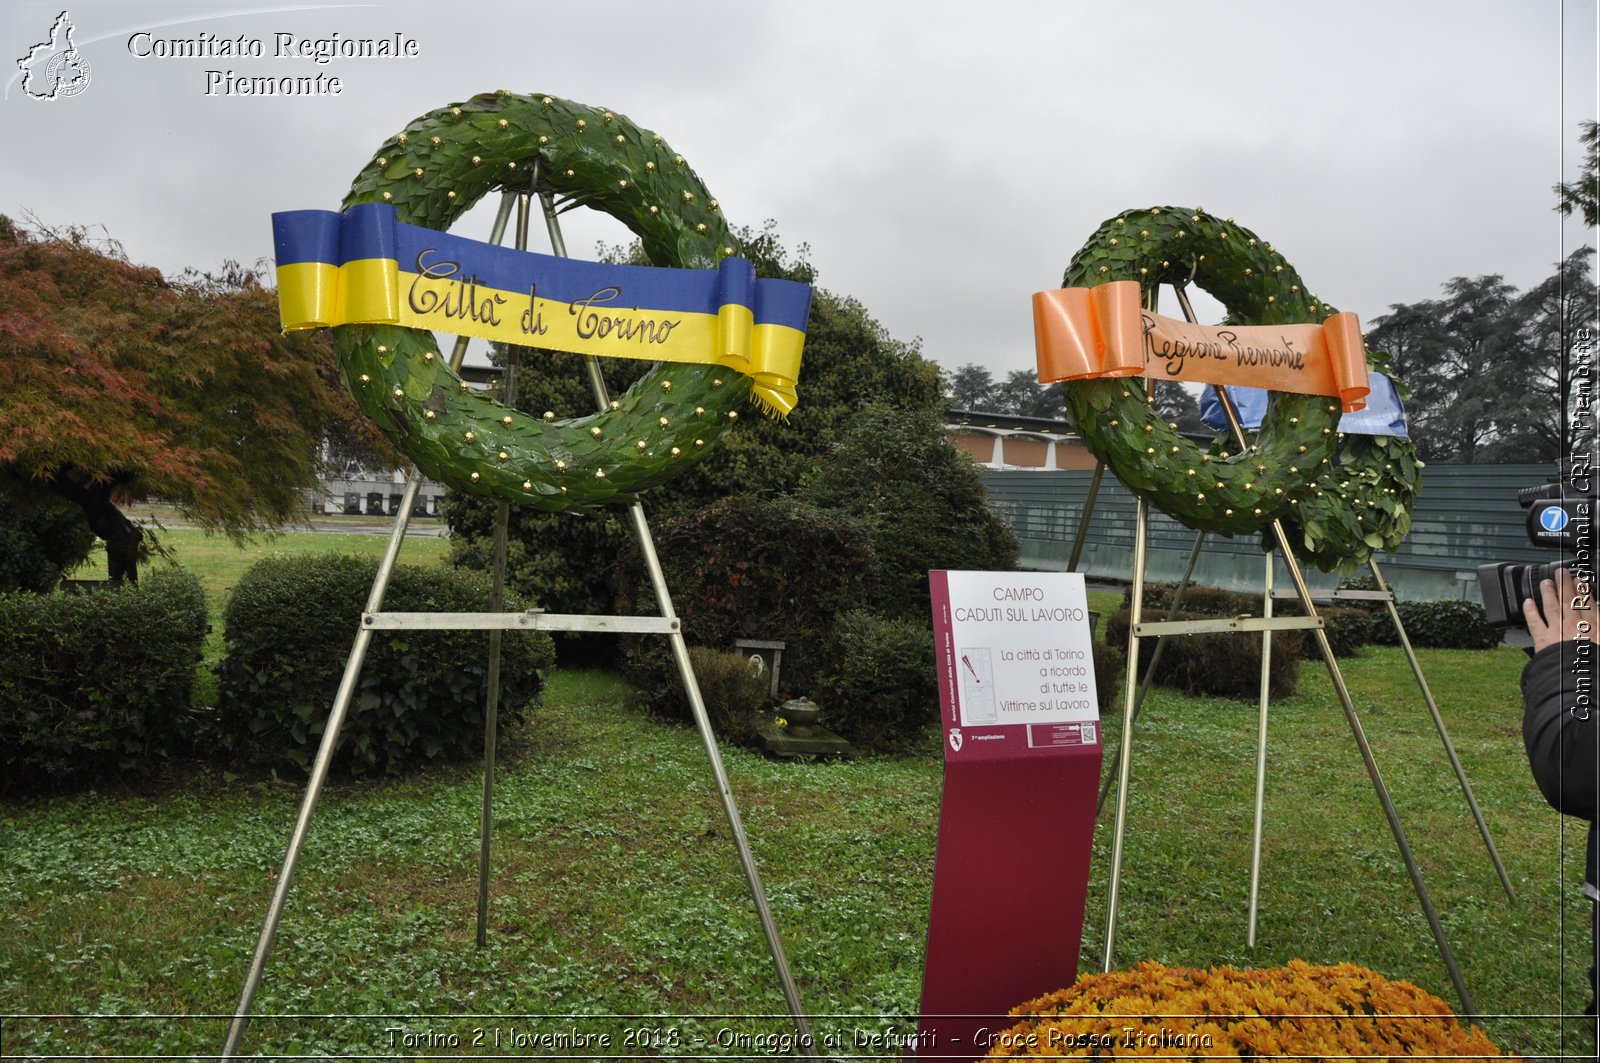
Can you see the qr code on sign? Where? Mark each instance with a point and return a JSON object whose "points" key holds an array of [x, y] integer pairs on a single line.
{"points": [[1089, 735]]}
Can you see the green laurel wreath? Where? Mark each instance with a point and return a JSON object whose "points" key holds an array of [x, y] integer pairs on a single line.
{"points": [[433, 172], [1339, 498]]}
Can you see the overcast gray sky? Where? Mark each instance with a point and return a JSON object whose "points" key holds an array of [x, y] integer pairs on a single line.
{"points": [[942, 160]]}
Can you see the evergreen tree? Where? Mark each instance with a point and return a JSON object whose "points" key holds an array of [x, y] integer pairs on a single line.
{"points": [[1483, 363], [923, 500], [1583, 195], [970, 388], [1021, 393]]}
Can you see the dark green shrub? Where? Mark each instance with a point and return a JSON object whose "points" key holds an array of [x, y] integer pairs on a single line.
{"points": [[1347, 629], [1207, 601], [922, 499], [1224, 663], [569, 557], [98, 684], [1447, 625], [882, 688], [1444, 625], [734, 691], [1110, 662], [1360, 583], [41, 539], [750, 568], [421, 696], [1380, 627]]}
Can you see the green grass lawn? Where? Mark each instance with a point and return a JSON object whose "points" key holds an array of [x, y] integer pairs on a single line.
{"points": [[617, 891], [219, 562]]}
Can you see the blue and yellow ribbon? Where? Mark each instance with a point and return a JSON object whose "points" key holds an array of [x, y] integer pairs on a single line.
{"points": [[364, 266]]}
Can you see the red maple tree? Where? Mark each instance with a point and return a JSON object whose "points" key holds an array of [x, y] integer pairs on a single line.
{"points": [[119, 385]]}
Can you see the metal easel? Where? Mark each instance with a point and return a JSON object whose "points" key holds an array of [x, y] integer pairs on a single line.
{"points": [[1135, 691], [495, 623]]}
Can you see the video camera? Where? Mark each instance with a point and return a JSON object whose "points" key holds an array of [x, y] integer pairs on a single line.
{"points": [[1560, 517]]}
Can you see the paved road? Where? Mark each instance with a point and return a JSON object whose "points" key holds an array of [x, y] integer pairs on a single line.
{"points": [[421, 527], [424, 527]]}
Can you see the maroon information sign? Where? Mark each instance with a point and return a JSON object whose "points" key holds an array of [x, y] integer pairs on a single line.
{"points": [[1021, 775]]}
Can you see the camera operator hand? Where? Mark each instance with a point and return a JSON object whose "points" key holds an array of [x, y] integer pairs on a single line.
{"points": [[1558, 723], [1568, 612]]}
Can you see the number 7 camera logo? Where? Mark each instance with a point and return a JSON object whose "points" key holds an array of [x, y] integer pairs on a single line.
{"points": [[54, 69]]}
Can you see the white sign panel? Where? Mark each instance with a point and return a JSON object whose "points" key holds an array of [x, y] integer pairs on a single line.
{"points": [[1022, 648]]}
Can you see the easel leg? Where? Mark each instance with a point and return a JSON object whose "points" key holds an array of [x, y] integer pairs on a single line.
{"points": [[1446, 953], [1444, 735], [1125, 757], [1155, 660], [691, 686], [319, 775], [1082, 536], [491, 721], [502, 522], [330, 734], [1261, 755]]}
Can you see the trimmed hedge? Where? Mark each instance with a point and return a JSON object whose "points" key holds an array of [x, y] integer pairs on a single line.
{"points": [[1379, 628], [1207, 601], [1445, 625], [1348, 629], [1224, 663], [99, 683], [421, 696], [1110, 662], [882, 689]]}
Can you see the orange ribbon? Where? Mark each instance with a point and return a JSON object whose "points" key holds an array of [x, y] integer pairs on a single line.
{"points": [[1084, 333]]}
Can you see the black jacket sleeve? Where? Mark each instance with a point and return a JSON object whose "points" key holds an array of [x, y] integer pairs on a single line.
{"points": [[1561, 747]]}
